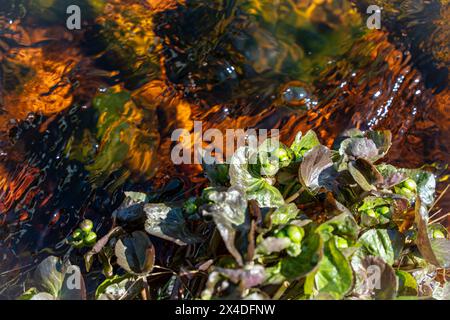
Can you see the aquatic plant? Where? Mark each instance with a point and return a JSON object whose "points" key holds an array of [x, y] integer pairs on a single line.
{"points": [[322, 224]]}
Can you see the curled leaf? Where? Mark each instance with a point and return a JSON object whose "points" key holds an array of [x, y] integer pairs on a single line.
{"points": [[135, 253], [228, 213], [314, 163], [435, 251], [303, 144]]}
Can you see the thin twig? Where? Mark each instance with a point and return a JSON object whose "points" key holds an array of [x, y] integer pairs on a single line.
{"points": [[440, 197], [295, 196], [440, 219]]}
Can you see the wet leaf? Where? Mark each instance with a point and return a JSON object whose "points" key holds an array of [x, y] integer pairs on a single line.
{"points": [[372, 147], [229, 214], [272, 244], [168, 223], [343, 225], [435, 251], [284, 214], [374, 278], [293, 268], [118, 287], [61, 281], [255, 186], [49, 276], [334, 277], [135, 253], [376, 242], [303, 144], [407, 285], [365, 174], [314, 163]]}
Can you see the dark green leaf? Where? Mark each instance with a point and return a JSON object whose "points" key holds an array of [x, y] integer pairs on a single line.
{"points": [[168, 223], [307, 261], [376, 242], [334, 276]]}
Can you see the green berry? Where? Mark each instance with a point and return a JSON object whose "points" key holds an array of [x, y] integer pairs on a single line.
{"points": [[284, 156], [190, 206], [295, 233], [383, 210], [86, 226], [438, 234], [341, 243], [90, 239], [407, 193], [410, 184], [77, 234]]}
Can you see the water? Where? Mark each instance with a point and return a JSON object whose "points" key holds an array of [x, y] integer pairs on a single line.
{"points": [[86, 114]]}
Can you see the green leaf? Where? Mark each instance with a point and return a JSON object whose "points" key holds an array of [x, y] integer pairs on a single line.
{"points": [[61, 281], [217, 174], [29, 294], [376, 242], [426, 184], [284, 214], [303, 144], [49, 276], [118, 287], [168, 223], [135, 253], [255, 186], [343, 225], [293, 268], [407, 285], [334, 277]]}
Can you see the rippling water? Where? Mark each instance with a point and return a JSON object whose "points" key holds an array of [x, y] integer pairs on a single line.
{"points": [[86, 114]]}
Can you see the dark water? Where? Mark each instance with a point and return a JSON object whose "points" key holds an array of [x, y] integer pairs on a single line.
{"points": [[293, 65]]}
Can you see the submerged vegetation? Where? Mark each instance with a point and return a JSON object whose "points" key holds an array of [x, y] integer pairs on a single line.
{"points": [[279, 222]]}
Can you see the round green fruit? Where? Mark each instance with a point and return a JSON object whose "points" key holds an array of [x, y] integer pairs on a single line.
{"points": [[86, 226], [90, 239], [295, 233], [410, 184]]}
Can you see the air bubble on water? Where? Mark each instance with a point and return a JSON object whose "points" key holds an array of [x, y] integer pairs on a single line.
{"points": [[298, 94]]}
